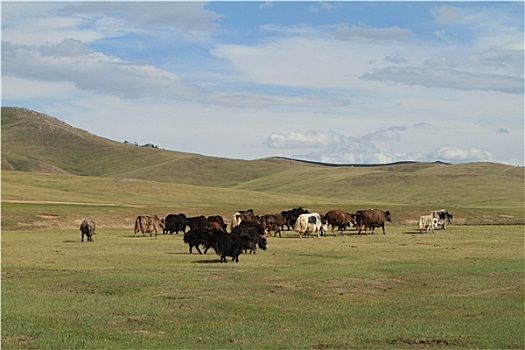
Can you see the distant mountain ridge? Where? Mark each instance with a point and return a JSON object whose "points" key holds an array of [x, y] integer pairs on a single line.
{"points": [[357, 165]]}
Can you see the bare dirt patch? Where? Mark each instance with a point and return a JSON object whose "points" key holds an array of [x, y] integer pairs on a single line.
{"points": [[323, 346], [47, 216], [425, 342], [21, 340]]}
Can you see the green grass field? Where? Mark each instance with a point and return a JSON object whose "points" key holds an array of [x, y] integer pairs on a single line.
{"points": [[459, 288]]}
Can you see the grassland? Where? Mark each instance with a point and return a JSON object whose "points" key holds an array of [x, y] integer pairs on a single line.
{"points": [[459, 288], [47, 201]]}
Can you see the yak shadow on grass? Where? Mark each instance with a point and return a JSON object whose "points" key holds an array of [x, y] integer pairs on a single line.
{"points": [[191, 254], [287, 236], [413, 232], [211, 261], [79, 241], [140, 236]]}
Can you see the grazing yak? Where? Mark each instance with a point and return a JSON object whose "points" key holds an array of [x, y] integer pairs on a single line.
{"points": [[216, 222], [198, 222], [306, 224], [245, 236], [442, 217], [241, 216], [228, 245], [372, 218], [340, 218], [148, 224], [87, 228], [272, 222], [175, 223], [427, 222], [201, 236], [290, 216], [252, 236]]}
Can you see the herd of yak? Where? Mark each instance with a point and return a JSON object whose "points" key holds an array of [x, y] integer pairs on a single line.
{"points": [[248, 231]]}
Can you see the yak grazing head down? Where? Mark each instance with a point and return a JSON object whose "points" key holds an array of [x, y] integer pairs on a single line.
{"points": [[262, 243]]}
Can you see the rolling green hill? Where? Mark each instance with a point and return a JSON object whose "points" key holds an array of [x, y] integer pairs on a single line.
{"points": [[90, 169], [35, 142]]}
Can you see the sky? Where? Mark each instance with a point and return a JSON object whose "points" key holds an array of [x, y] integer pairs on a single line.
{"points": [[336, 82]]}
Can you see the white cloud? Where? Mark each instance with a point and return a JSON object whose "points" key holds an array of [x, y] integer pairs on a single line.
{"points": [[455, 154], [346, 33], [446, 14], [37, 23], [448, 78], [331, 147], [396, 60], [315, 56], [266, 5], [377, 147], [300, 61], [71, 61], [392, 133], [19, 89], [310, 139], [307, 56], [502, 61], [165, 20]]}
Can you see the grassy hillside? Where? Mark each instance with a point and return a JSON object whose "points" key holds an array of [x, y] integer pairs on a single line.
{"points": [[99, 174], [35, 142]]}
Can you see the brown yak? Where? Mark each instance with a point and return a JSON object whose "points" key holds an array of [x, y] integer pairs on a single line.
{"points": [[340, 218], [148, 224], [372, 218], [272, 222]]}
